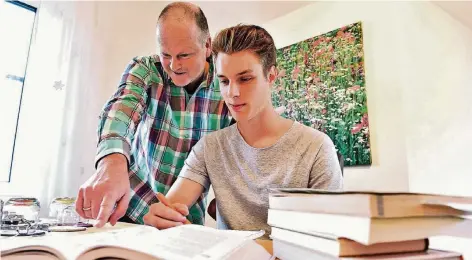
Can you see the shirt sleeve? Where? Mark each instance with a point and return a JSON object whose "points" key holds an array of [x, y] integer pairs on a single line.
{"points": [[326, 172], [195, 166], [123, 111]]}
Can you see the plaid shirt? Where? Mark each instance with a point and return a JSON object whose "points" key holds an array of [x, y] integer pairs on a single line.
{"points": [[155, 124]]}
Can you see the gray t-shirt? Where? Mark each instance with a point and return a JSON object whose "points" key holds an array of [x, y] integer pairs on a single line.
{"points": [[242, 175]]}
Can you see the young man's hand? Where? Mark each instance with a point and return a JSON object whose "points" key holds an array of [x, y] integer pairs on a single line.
{"points": [[162, 216], [172, 209]]}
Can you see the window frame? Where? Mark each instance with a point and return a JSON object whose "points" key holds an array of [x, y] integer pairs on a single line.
{"points": [[21, 78]]}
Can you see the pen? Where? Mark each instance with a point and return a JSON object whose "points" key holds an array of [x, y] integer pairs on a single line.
{"points": [[164, 201]]}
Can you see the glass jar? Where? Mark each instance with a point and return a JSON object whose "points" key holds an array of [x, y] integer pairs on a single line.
{"points": [[27, 207], [68, 217], [1, 214], [58, 205], [63, 211]]}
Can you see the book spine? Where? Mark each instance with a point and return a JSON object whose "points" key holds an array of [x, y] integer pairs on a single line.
{"points": [[380, 206]]}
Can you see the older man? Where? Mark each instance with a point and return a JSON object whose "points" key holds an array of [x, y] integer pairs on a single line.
{"points": [[163, 105]]}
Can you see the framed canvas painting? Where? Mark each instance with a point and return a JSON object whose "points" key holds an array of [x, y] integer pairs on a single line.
{"points": [[321, 83]]}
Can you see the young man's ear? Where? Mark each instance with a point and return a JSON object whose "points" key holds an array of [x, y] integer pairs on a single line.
{"points": [[272, 76]]}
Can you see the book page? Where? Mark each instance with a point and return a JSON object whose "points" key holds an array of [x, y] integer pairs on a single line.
{"points": [[13, 245], [183, 242], [244, 233], [466, 209], [203, 242]]}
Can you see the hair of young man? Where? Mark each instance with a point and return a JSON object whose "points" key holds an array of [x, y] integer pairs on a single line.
{"points": [[247, 38], [191, 12]]}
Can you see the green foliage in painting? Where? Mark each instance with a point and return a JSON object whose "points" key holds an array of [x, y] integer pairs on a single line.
{"points": [[321, 83]]}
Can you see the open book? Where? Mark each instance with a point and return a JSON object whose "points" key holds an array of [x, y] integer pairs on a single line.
{"points": [[140, 242]]}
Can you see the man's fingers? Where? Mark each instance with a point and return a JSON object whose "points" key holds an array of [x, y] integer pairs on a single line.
{"points": [[96, 206], [120, 209], [79, 203], [87, 203], [105, 210], [181, 208]]}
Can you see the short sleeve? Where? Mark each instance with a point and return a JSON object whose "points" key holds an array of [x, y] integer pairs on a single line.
{"points": [[326, 171], [195, 167]]}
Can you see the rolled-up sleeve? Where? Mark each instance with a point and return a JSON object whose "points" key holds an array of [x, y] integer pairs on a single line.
{"points": [[122, 113]]}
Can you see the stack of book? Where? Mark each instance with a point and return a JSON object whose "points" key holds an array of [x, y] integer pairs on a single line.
{"points": [[316, 224]]}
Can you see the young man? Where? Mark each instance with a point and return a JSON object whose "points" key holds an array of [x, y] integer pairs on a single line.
{"points": [[164, 104], [262, 151]]}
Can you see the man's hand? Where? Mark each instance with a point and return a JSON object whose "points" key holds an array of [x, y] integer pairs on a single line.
{"points": [[162, 216], [108, 186]]}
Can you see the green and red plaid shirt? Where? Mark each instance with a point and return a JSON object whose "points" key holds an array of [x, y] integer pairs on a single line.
{"points": [[155, 124]]}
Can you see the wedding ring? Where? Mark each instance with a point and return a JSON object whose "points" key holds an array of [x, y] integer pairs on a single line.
{"points": [[85, 209]]}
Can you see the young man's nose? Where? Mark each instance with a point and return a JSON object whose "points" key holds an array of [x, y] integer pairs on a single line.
{"points": [[233, 90]]}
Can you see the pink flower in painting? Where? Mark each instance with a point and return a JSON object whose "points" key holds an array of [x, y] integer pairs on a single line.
{"points": [[364, 123], [356, 129], [295, 72], [340, 33], [349, 37], [281, 74], [365, 120], [354, 88], [324, 111], [315, 95], [316, 80]]}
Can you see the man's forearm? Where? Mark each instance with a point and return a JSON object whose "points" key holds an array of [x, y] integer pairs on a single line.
{"points": [[114, 158]]}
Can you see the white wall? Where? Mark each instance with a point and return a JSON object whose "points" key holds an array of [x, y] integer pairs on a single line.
{"points": [[437, 101], [416, 63]]}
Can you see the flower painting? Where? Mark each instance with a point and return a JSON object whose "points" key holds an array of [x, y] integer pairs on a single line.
{"points": [[321, 83]]}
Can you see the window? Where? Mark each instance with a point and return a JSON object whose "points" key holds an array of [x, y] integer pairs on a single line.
{"points": [[16, 28]]}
